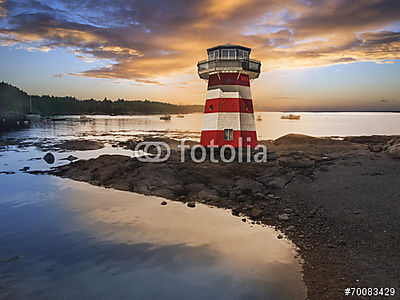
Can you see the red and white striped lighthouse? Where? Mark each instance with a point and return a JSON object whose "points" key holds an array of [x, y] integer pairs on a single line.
{"points": [[228, 112]]}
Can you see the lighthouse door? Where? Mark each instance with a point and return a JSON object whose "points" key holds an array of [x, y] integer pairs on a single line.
{"points": [[228, 134]]}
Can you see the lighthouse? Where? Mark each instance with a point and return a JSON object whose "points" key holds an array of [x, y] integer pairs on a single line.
{"points": [[228, 112]]}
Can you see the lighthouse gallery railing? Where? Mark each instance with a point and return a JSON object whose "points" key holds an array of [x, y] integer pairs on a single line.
{"points": [[229, 64]]}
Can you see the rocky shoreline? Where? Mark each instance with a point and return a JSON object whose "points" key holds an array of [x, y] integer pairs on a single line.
{"points": [[336, 199]]}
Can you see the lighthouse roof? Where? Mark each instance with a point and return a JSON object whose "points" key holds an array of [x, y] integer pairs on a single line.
{"points": [[230, 46]]}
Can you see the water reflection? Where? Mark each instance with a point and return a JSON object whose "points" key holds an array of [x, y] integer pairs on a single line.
{"points": [[79, 241], [120, 128]]}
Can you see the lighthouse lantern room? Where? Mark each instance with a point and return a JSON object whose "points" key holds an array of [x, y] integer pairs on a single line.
{"points": [[228, 112]]}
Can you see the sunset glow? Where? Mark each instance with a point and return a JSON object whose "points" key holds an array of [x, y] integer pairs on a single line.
{"points": [[316, 55]]}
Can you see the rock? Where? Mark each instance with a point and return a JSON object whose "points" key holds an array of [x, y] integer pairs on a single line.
{"points": [[280, 236], [375, 148], [277, 183], [296, 162], [255, 213], [161, 192], [7, 172], [246, 184], [70, 158], [236, 212], [80, 145], [290, 228], [283, 217], [48, 270], [259, 196], [234, 194], [191, 204], [24, 169], [49, 158], [394, 151], [208, 194], [164, 203], [288, 210], [241, 198], [142, 188], [244, 220], [271, 156], [181, 198], [194, 189]]}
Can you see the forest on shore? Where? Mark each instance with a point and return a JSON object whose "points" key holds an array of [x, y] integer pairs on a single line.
{"points": [[15, 101]]}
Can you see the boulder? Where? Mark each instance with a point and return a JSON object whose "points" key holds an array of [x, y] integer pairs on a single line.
{"points": [[163, 192], [244, 184], [191, 204], [208, 194], [49, 158], [394, 151], [277, 183], [241, 198], [283, 217], [375, 148], [164, 203], [256, 213], [296, 162], [234, 194], [194, 189]]}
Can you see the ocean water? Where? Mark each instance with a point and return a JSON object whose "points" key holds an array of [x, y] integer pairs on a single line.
{"points": [[114, 128], [62, 239]]}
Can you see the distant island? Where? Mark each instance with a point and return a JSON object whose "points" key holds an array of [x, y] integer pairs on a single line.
{"points": [[16, 103]]}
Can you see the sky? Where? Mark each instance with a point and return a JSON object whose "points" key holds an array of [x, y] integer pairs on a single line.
{"points": [[315, 54]]}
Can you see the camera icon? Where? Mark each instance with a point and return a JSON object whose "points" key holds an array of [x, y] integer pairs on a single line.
{"points": [[152, 151]]}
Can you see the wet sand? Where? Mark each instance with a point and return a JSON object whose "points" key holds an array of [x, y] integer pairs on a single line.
{"points": [[336, 199]]}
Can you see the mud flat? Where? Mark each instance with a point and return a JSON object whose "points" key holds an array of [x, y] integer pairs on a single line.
{"points": [[337, 199]]}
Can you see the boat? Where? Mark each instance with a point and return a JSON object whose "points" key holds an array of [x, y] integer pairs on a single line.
{"points": [[166, 118], [180, 116], [84, 118], [290, 117], [259, 118]]}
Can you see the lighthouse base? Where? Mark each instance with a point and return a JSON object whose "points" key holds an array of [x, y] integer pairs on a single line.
{"points": [[240, 139]]}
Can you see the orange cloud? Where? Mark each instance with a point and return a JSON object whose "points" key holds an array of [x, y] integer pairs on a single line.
{"points": [[147, 41]]}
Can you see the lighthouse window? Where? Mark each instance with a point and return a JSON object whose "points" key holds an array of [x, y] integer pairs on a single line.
{"points": [[211, 107], [228, 134], [228, 54], [243, 54], [213, 55]]}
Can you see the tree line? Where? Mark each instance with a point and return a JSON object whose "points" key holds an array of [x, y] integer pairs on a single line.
{"points": [[13, 100]]}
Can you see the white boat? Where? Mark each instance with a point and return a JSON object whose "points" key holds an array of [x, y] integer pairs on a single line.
{"points": [[290, 117]]}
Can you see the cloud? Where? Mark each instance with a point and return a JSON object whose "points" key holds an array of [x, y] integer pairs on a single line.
{"points": [[58, 75], [146, 40], [283, 98]]}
